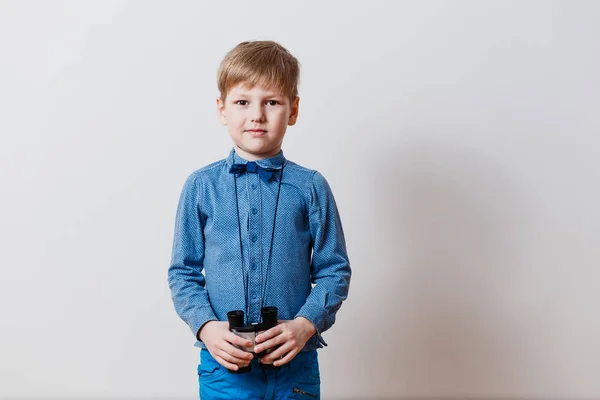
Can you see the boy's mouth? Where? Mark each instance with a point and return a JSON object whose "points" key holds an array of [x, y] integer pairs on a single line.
{"points": [[256, 132]]}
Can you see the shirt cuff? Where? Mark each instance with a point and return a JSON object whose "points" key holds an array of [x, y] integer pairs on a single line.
{"points": [[316, 318], [199, 321]]}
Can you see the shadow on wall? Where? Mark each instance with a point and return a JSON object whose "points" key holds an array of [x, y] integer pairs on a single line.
{"points": [[449, 229]]}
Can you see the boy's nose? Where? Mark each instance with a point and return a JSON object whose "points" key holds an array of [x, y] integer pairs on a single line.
{"points": [[257, 114]]}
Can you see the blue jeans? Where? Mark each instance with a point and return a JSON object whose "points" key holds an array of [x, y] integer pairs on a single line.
{"points": [[298, 379]]}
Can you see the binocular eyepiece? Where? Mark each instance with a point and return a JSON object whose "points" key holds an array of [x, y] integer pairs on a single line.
{"points": [[237, 326]]}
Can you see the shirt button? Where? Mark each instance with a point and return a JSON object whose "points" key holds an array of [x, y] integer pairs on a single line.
{"points": [[253, 237], [254, 210], [254, 295], [253, 186], [254, 266]]}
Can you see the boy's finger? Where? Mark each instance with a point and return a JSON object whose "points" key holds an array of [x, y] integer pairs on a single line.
{"points": [[233, 359], [274, 331], [226, 364], [235, 339], [277, 340], [288, 357], [242, 355], [278, 353]]}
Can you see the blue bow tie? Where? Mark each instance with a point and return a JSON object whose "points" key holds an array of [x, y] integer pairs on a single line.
{"points": [[265, 173]]}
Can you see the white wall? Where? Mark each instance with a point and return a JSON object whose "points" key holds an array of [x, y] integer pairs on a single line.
{"points": [[469, 132]]}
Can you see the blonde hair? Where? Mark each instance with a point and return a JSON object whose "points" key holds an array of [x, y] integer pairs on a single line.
{"points": [[266, 63]]}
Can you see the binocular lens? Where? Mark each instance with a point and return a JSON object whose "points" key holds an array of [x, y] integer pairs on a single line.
{"points": [[236, 319], [269, 316]]}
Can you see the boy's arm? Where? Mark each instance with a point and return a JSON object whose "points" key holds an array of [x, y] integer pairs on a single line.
{"points": [[330, 266], [187, 261]]}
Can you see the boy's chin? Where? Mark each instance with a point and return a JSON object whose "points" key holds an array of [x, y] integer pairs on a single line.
{"points": [[257, 151]]}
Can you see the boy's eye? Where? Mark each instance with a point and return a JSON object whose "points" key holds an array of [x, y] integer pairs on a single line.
{"points": [[245, 102]]}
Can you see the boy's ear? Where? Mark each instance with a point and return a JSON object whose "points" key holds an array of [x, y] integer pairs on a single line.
{"points": [[294, 111], [221, 111]]}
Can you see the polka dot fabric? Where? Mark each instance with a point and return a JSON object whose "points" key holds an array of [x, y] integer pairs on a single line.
{"points": [[309, 273]]}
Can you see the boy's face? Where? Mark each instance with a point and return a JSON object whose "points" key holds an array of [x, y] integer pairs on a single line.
{"points": [[257, 119]]}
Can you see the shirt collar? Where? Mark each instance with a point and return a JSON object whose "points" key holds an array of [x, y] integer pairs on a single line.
{"points": [[275, 162]]}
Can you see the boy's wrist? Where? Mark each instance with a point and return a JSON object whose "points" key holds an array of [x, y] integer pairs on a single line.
{"points": [[308, 326], [199, 333]]}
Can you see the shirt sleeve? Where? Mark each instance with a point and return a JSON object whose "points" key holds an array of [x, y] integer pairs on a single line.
{"points": [[186, 281], [330, 267]]}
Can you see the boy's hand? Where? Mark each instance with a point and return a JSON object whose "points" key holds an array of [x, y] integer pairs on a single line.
{"points": [[220, 340], [290, 336]]}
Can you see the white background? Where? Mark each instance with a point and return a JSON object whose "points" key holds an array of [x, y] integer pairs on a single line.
{"points": [[460, 138]]}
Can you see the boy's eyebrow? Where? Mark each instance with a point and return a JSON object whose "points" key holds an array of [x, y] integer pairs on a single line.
{"points": [[273, 94], [269, 94]]}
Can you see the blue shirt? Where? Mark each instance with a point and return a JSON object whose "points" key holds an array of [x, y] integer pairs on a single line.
{"points": [[309, 272]]}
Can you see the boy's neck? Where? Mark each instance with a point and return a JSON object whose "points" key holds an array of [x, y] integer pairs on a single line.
{"points": [[254, 157]]}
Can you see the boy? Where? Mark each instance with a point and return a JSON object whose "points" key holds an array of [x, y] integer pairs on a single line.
{"points": [[251, 222]]}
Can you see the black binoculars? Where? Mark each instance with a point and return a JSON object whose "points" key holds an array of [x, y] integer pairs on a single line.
{"points": [[237, 326]]}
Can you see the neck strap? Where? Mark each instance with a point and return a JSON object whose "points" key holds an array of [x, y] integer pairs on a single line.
{"points": [[244, 272]]}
